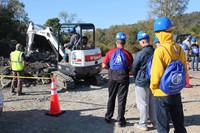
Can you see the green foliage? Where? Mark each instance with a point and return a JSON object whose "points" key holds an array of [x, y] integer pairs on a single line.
{"points": [[54, 23], [195, 31], [183, 24], [13, 21]]}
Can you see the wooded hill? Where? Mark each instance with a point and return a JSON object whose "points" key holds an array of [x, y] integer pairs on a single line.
{"points": [[187, 23]]}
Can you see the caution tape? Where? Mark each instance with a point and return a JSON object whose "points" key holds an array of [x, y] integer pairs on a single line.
{"points": [[23, 77]]}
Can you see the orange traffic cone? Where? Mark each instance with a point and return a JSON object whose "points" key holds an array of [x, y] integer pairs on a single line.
{"points": [[188, 82], [54, 102], [188, 78]]}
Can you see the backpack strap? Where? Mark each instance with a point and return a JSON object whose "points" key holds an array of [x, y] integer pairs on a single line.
{"points": [[178, 53]]}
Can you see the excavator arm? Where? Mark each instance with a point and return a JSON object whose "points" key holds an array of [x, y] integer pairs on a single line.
{"points": [[45, 32]]}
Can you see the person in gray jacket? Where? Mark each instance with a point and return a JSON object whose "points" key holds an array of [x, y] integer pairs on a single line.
{"points": [[73, 40], [70, 45], [144, 97]]}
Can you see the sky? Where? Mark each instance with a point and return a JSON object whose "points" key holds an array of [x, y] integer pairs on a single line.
{"points": [[102, 13]]}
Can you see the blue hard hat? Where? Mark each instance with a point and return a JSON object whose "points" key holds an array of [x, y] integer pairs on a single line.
{"points": [[142, 35], [72, 30], [190, 36], [162, 24], [156, 40], [193, 40], [120, 36]]}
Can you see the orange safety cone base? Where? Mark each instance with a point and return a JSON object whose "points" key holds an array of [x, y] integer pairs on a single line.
{"points": [[188, 82], [188, 86], [50, 114]]}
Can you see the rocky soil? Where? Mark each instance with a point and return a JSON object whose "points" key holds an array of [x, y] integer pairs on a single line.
{"points": [[84, 110]]}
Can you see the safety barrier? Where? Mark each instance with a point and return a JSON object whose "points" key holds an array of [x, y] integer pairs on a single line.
{"points": [[23, 77], [4, 83]]}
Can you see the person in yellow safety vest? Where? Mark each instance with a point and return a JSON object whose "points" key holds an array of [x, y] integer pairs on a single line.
{"points": [[17, 62]]}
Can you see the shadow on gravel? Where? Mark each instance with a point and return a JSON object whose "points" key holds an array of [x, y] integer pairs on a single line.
{"points": [[39, 93], [192, 120], [195, 85], [35, 121], [194, 101], [85, 86]]}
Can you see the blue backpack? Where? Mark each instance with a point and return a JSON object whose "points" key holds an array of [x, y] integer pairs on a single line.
{"points": [[148, 67], [184, 46], [174, 77], [195, 49], [118, 60]]}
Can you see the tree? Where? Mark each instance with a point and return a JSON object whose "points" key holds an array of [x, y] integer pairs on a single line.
{"points": [[167, 8], [67, 18], [195, 31], [54, 23], [17, 9], [13, 21]]}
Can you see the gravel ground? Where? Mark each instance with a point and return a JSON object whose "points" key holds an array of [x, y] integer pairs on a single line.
{"points": [[84, 110]]}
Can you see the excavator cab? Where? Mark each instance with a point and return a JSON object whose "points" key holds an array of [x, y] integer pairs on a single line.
{"points": [[84, 61]]}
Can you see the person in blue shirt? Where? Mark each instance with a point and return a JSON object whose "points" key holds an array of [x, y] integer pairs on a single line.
{"points": [[194, 54]]}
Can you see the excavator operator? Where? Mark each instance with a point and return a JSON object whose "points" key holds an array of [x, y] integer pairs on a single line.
{"points": [[69, 46], [74, 39]]}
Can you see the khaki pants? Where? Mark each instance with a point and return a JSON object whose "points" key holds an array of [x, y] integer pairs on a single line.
{"points": [[17, 82]]}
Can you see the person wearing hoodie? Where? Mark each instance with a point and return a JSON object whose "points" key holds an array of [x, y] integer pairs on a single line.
{"points": [[144, 97], [166, 106]]}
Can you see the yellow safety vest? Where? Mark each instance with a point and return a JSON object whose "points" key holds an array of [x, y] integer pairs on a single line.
{"points": [[16, 60]]}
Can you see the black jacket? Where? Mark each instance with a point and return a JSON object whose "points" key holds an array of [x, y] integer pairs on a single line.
{"points": [[139, 66]]}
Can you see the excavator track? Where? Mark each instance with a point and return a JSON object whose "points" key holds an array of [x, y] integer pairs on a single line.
{"points": [[98, 80], [95, 80], [63, 81]]}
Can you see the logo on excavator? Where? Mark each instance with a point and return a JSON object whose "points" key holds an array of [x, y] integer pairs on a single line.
{"points": [[92, 57]]}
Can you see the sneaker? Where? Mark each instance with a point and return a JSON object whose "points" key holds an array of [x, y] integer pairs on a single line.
{"points": [[122, 123], [141, 127], [107, 120], [153, 126]]}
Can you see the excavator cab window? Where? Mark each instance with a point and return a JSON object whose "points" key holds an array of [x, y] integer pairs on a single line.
{"points": [[82, 30]]}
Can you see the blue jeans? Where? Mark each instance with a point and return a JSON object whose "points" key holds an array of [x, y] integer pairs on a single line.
{"points": [[195, 59], [166, 107], [65, 57]]}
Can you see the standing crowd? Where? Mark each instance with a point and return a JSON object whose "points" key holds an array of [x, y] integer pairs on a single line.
{"points": [[156, 102]]}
